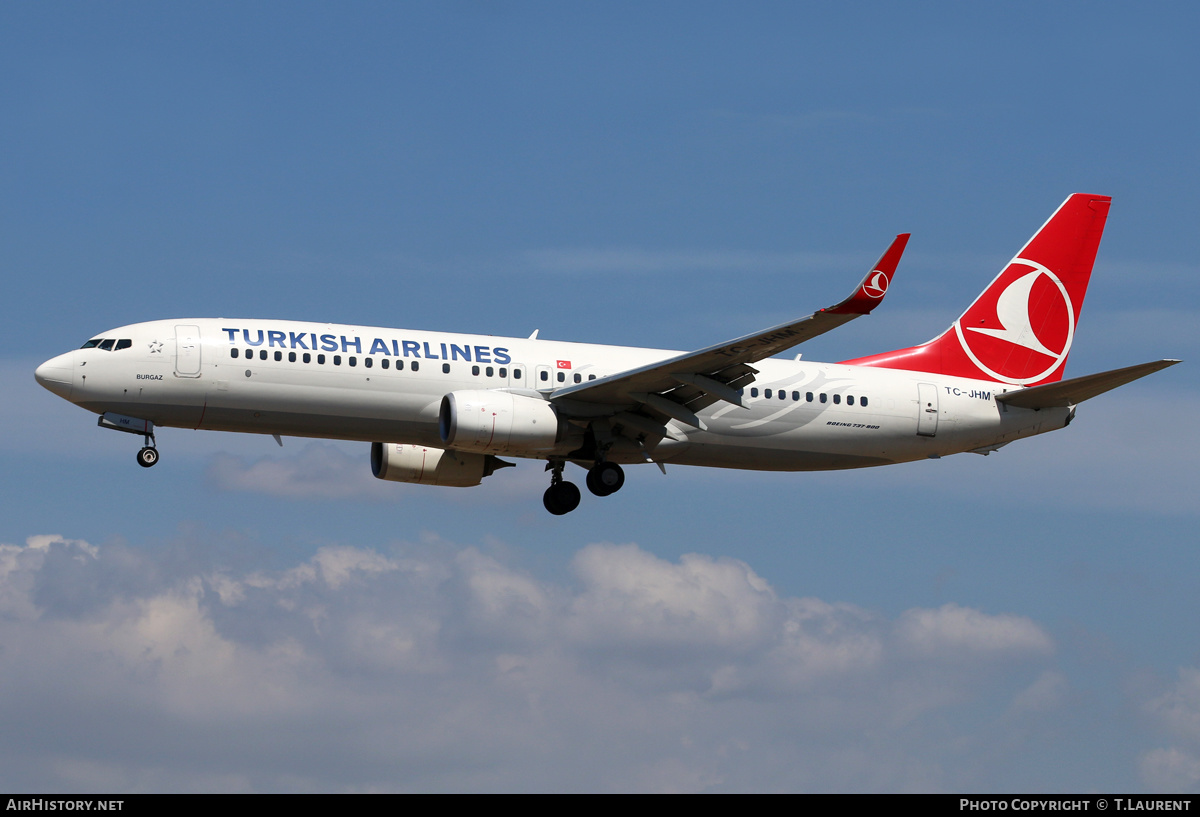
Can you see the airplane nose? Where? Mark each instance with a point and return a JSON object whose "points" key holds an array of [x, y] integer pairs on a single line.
{"points": [[57, 374]]}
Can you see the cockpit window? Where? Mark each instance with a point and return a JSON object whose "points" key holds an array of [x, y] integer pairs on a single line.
{"points": [[107, 344]]}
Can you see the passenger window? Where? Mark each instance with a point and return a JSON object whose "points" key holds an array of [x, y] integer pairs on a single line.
{"points": [[767, 393], [516, 374], [754, 392], [106, 344], [849, 399], [862, 401], [337, 360], [578, 377], [368, 361], [278, 356], [352, 360], [562, 377], [837, 399], [291, 357], [545, 375], [233, 352], [808, 397], [385, 363], [399, 365], [475, 371], [489, 371], [445, 368], [591, 377], [124, 343], [321, 359], [795, 397], [307, 357], [823, 397], [503, 372], [416, 365]]}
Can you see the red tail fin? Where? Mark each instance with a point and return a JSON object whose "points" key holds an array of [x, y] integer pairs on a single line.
{"points": [[1020, 329]]}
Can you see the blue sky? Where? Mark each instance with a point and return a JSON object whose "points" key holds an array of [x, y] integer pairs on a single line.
{"points": [[245, 617]]}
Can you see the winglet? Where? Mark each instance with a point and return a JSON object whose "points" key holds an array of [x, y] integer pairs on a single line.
{"points": [[870, 292]]}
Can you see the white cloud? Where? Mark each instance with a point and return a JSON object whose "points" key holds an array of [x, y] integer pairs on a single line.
{"points": [[1175, 715], [1178, 709], [318, 471], [952, 630], [1046, 694], [435, 667], [632, 597], [1170, 770]]}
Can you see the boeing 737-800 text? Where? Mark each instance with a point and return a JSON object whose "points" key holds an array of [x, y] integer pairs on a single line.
{"points": [[441, 409]]}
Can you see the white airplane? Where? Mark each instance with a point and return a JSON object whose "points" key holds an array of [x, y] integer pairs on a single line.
{"points": [[440, 409]]}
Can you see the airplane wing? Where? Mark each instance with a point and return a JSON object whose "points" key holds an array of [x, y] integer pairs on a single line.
{"points": [[1074, 391], [647, 397]]}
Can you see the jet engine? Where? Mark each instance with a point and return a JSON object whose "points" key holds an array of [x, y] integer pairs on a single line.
{"points": [[426, 465], [497, 422]]}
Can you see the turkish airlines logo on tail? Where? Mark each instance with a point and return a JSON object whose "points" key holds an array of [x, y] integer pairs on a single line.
{"points": [[877, 286], [1020, 330]]}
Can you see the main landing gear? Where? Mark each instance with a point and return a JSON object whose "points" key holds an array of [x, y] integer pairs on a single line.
{"points": [[562, 497]]}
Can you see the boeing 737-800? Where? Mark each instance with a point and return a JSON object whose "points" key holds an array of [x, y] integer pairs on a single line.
{"points": [[441, 409]]}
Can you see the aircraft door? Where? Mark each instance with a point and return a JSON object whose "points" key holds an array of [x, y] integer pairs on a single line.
{"points": [[187, 351], [927, 409]]}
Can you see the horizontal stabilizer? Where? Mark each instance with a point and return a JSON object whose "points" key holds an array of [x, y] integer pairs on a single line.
{"points": [[1077, 389]]}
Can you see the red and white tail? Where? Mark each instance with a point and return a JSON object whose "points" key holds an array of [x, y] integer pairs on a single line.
{"points": [[1020, 329]]}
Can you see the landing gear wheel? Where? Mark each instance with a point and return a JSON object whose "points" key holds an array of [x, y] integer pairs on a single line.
{"points": [[561, 497], [605, 478], [147, 457]]}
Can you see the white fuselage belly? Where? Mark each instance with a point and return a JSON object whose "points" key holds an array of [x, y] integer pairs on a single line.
{"points": [[175, 379]]}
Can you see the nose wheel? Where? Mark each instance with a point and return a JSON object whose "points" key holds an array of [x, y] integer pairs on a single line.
{"points": [[148, 456]]}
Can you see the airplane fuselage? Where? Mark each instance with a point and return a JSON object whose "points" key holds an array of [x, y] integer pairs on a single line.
{"points": [[386, 385]]}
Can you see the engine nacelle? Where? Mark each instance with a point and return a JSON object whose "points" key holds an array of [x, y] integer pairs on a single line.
{"points": [[497, 422], [426, 465]]}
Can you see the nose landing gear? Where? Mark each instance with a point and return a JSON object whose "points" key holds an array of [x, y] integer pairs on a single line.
{"points": [[148, 456]]}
